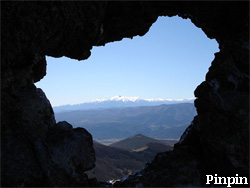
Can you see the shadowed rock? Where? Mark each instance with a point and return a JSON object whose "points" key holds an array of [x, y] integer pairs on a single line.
{"points": [[37, 152], [71, 149]]}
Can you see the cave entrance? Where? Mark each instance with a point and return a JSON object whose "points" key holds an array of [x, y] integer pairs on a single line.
{"points": [[168, 62]]}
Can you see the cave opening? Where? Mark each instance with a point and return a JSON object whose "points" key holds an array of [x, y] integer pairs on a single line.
{"points": [[169, 62], [37, 151]]}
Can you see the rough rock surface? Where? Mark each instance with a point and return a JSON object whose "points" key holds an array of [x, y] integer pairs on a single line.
{"points": [[35, 151]]}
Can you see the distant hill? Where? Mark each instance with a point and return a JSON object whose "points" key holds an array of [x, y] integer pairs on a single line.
{"points": [[115, 163], [134, 142], [151, 149], [162, 121], [119, 102]]}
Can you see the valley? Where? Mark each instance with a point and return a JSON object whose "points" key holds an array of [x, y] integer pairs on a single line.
{"points": [[126, 138], [116, 161]]}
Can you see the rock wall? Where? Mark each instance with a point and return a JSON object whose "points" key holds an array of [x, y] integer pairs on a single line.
{"points": [[35, 151], [217, 141]]}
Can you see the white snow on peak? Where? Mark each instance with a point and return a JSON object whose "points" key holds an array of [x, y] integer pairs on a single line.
{"points": [[134, 99], [177, 100], [119, 98], [122, 101]]}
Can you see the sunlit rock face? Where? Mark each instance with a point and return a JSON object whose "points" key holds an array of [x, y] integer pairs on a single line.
{"points": [[35, 151]]}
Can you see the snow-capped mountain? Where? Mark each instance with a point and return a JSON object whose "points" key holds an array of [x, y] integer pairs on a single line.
{"points": [[134, 99], [119, 98], [119, 102]]}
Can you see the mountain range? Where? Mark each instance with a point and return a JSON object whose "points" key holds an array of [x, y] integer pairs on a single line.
{"points": [[162, 121], [119, 102]]}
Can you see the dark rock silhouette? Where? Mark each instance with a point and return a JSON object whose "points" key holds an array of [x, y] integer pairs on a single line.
{"points": [[216, 142]]}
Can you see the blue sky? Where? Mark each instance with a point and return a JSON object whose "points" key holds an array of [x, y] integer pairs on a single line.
{"points": [[169, 62]]}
